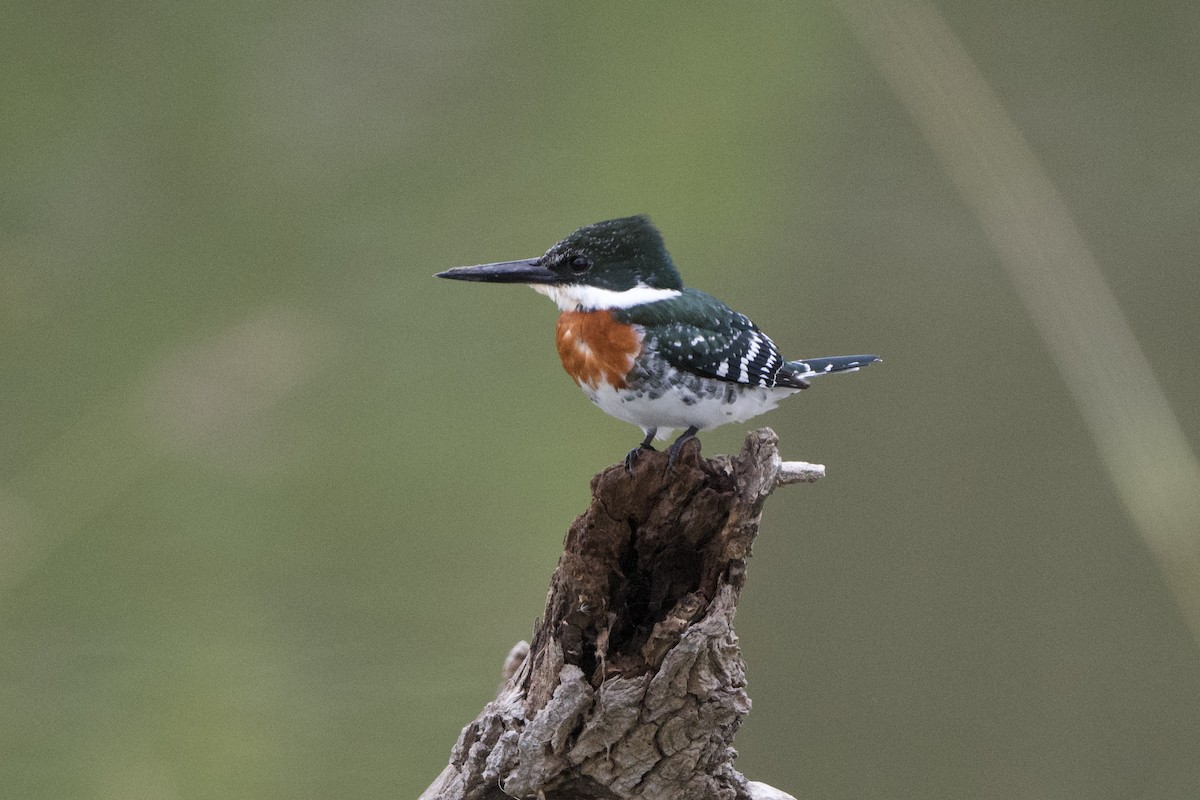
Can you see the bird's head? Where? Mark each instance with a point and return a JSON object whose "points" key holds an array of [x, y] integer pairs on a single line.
{"points": [[613, 264]]}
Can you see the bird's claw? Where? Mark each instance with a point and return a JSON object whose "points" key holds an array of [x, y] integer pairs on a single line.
{"points": [[673, 455], [631, 458], [677, 446]]}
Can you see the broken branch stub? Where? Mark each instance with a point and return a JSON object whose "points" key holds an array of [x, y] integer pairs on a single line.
{"points": [[634, 685]]}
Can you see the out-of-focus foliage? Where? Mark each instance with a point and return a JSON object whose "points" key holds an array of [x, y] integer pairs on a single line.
{"points": [[274, 503]]}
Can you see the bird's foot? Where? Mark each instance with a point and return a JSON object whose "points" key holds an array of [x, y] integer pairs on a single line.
{"points": [[677, 446], [631, 458]]}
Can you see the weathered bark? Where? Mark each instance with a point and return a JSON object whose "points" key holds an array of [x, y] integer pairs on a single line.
{"points": [[634, 685]]}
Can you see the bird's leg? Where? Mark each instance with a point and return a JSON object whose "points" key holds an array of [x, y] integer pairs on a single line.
{"points": [[677, 445], [632, 456]]}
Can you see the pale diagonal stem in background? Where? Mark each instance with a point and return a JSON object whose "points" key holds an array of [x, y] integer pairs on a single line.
{"points": [[1140, 441]]}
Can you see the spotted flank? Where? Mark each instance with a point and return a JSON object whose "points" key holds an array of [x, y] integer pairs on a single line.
{"points": [[657, 397]]}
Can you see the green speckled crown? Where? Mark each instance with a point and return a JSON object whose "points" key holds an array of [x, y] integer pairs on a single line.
{"points": [[620, 254]]}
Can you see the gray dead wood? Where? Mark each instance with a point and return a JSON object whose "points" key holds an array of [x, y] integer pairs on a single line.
{"points": [[634, 685]]}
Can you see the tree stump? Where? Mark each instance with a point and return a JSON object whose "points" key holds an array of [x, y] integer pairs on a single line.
{"points": [[634, 685]]}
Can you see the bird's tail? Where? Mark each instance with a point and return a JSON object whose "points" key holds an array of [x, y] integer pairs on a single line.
{"points": [[798, 373]]}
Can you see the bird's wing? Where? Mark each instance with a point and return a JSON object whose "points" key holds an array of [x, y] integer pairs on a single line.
{"points": [[699, 334]]}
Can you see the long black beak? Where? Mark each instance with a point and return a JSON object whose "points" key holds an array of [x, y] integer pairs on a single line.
{"points": [[528, 271]]}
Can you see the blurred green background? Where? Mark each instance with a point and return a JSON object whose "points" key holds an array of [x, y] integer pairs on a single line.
{"points": [[274, 503]]}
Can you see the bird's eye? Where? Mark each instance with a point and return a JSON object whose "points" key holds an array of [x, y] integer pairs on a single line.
{"points": [[580, 264]]}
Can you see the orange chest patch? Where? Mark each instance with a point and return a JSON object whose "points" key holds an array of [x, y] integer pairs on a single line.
{"points": [[595, 348]]}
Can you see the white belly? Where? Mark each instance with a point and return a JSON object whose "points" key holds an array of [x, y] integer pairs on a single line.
{"points": [[685, 405]]}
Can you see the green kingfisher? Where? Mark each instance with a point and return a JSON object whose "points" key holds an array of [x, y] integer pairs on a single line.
{"points": [[644, 348]]}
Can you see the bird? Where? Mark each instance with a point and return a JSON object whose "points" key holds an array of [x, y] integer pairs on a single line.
{"points": [[646, 349]]}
